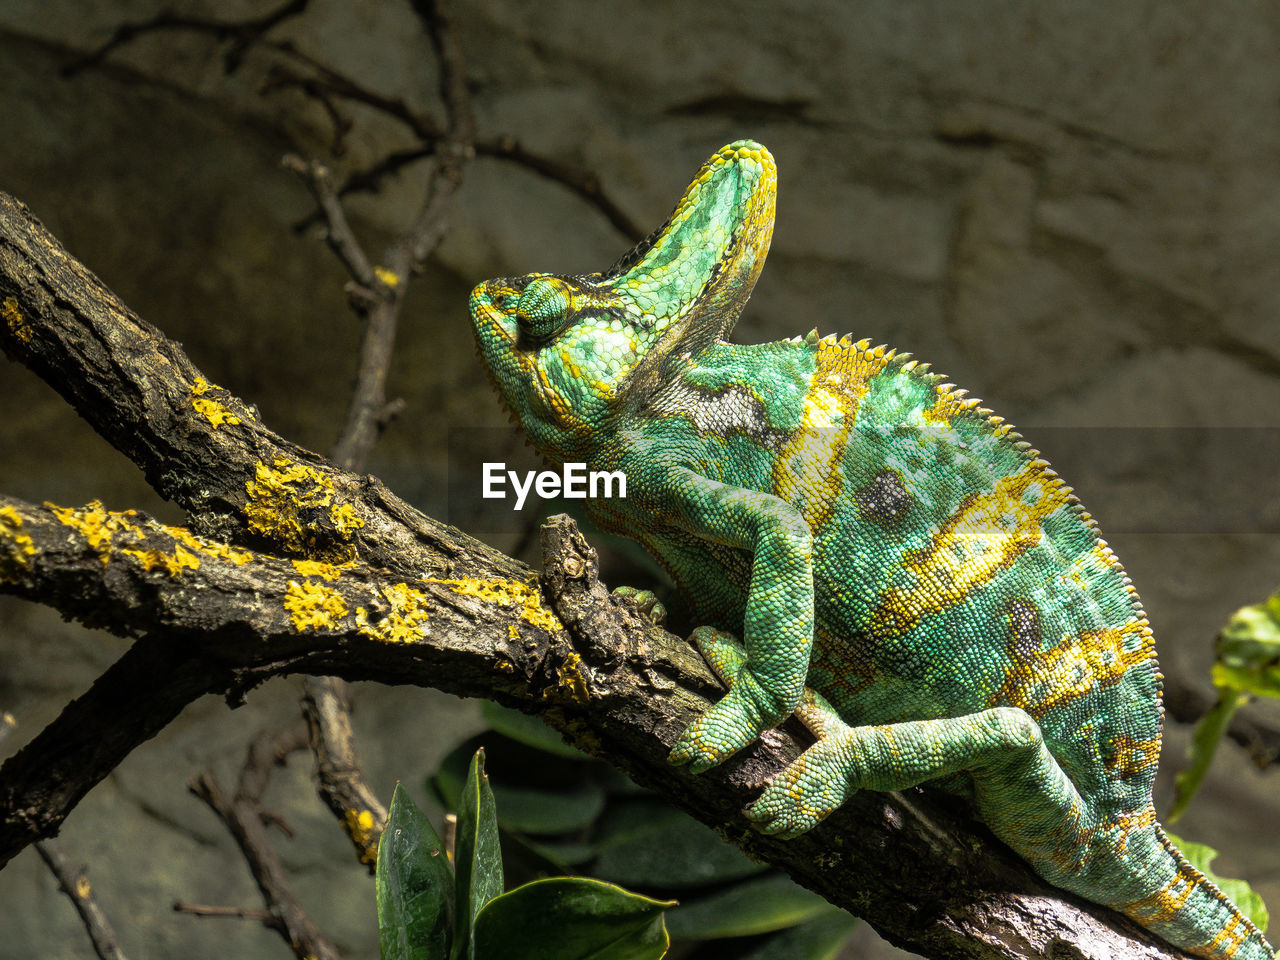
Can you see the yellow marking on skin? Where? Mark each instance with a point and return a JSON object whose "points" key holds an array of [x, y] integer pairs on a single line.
{"points": [[406, 620], [988, 532], [318, 568], [506, 593], [388, 277], [313, 606], [1091, 661], [361, 828], [15, 321], [281, 496], [18, 549], [213, 410], [1230, 938], [807, 470], [1163, 905], [1132, 756]]}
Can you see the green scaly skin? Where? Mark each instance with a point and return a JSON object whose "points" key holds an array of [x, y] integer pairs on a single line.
{"points": [[904, 572]]}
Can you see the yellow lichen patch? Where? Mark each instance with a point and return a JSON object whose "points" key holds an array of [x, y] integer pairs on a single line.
{"points": [[313, 606], [212, 409], [15, 321], [172, 563], [152, 546], [807, 469], [507, 593], [97, 525], [361, 828], [83, 890], [404, 623], [571, 678], [280, 497], [389, 277], [318, 568], [986, 534], [16, 547]]}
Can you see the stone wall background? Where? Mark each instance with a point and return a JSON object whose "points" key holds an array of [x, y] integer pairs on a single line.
{"points": [[1071, 208]]}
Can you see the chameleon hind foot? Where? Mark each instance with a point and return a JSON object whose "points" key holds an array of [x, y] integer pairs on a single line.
{"points": [[644, 602], [737, 719]]}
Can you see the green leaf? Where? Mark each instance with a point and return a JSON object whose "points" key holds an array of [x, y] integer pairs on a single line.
{"points": [[1248, 650], [572, 918], [1200, 855], [530, 731], [477, 855], [414, 886], [761, 905], [535, 792], [644, 842], [818, 939], [1204, 744]]}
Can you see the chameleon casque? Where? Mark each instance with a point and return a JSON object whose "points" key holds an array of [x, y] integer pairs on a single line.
{"points": [[904, 571]]}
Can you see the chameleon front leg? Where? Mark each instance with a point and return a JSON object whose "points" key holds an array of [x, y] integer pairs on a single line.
{"points": [[778, 621]]}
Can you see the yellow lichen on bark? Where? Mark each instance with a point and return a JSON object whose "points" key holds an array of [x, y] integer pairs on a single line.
{"points": [[318, 568], [283, 494], [16, 547], [15, 321], [313, 606], [213, 410], [360, 825], [507, 593], [406, 620], [120, 533]]}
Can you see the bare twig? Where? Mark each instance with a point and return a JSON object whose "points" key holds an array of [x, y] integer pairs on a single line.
{"points": [[75, 884], [338, 231], [242, 816], [342, 782], [229, 913]]}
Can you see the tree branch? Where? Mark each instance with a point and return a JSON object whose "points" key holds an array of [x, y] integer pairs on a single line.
{"points": [[75, 884]]}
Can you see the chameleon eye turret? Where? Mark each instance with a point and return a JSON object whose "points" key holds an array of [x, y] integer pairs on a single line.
{"points": [[868, 548], [544, 309]]}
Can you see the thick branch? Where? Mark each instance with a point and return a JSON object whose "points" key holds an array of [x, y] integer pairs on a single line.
{"points": [[914, 866]]}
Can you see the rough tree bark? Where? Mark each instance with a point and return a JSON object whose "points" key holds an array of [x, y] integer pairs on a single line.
{"points": [[292, 565]]}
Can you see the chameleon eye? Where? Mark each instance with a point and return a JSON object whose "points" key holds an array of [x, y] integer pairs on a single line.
{"points": [[544, 308]]}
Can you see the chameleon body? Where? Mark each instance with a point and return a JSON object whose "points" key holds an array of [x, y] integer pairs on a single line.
{"points": [[903, 571]]}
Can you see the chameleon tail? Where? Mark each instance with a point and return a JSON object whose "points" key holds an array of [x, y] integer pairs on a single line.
{"points": [[1187, 909]]}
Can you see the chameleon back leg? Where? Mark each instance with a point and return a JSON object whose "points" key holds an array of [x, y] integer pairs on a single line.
{"points": [[1019, 790]]}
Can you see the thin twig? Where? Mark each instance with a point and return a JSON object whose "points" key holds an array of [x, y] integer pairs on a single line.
{"points": [[75, 884], [242, 816], [338, 233], [228, 913], [342, 783]]}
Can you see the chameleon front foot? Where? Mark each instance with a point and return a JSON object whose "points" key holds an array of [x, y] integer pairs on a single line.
{"points": [[737, 720], [644, 602]]}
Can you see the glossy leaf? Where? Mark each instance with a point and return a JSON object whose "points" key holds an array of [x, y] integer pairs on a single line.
{"points": [[535, 792], [572, 918], [478, 866], [761, 905], [415, 886], [1200, 856], [644, 842], [1248, 650], [819, 938]]}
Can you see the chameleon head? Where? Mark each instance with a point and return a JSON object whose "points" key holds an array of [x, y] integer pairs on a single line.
{"points": [[568, 353]]}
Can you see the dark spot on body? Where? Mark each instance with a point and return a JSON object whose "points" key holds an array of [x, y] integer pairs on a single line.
{"points": [[884, 500]]}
